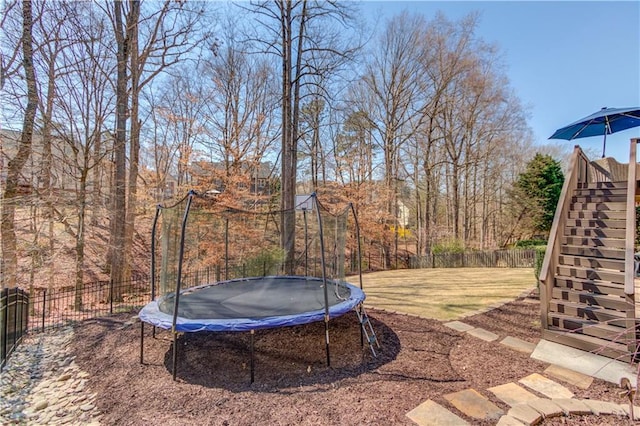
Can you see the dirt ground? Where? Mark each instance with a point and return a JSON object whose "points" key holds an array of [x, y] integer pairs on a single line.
{"points": [[419, 359]]}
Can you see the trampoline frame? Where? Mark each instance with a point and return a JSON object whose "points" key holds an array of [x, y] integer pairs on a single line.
{"points": [[325, 283]]}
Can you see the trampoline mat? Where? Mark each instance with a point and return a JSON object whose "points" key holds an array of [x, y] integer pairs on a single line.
{"points": [[252, 303]]}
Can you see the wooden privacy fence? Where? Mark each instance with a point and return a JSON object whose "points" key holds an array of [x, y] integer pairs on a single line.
{"points": [[476, 259], [14, 310]]}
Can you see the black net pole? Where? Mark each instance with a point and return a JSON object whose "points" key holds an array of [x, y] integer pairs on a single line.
{"points": [[306, 244], [359, 260], [154, 228], [226, 248], [153, 253], [324, 278], [178, 282]]}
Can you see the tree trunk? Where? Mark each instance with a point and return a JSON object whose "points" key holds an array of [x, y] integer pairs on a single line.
{"points": [[290, 113], [134, 146], [79, 285], [9, 261], [118, 212], [47, 161]]}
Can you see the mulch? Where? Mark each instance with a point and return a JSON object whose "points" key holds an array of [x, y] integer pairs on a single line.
{"points": [[418, 359]]}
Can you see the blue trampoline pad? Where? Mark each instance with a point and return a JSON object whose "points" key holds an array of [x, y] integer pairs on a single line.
{"points": [[252, 303]]}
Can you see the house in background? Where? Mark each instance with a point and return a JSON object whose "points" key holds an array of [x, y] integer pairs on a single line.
{"points": [[31, 177], [212, 176]]}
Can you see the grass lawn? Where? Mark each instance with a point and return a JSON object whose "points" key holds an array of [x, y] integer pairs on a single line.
{"points": [[444, 294]]}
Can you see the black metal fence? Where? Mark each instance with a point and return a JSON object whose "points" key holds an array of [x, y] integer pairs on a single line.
{"points": [[52, 308], [14, 320], [477, 259], [46, 309]]}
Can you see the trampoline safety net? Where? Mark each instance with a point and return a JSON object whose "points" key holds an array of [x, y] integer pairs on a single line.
{"points": [[200, 241]]}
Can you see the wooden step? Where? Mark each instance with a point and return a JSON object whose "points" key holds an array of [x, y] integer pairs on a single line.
{"points": [[602, 232], [593, 299], [602, 185], [595, 314], [615, 277], [613, 206], [596, 223], [614, 350], [600, 191], [578, 284], [593, 242], [589, 328], [617, 198], [610, 253], [591, 262]]}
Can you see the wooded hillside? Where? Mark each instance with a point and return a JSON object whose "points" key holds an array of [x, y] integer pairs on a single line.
{"points": [[110, 108]]}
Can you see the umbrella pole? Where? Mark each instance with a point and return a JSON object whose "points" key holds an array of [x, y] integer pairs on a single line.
{"points": [[604, 144]]}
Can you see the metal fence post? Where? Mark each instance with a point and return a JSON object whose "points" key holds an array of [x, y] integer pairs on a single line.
{"points": [[44, 306], [4, 308], [26, 313], [15, 319]]}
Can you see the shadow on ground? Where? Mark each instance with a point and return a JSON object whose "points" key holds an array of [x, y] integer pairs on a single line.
{"points": [[283, 357]]}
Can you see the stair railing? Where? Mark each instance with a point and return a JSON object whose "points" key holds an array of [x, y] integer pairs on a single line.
{"points": [[579, 172], [630, 236], [629, 252]]}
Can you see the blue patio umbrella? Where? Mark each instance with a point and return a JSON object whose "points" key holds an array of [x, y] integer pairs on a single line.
{"points": [[604, 122]]}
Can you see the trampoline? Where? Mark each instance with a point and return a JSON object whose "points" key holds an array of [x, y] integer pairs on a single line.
{"points": [[219, 268], [247, 304]]}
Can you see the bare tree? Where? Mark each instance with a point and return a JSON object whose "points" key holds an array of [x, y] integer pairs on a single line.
{"points": [[9, 254], [292, 34], [176, 116], [171, 31], [393, 81], [82, 108], [238, 117]]}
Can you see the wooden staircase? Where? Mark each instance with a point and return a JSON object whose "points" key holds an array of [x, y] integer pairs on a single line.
{"points": [[587, 283], [588, 306]]}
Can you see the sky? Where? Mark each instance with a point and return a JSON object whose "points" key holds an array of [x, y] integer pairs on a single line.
{"points": [[565, 60]]}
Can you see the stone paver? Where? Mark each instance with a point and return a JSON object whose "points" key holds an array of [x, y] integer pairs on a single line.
{"points": [[459, 326], [509, 421], [546, 407], [636, 410], [525, 414], [545, 386], [519, 345], [483, 334], [604, 407], [512, 394], [473, 404], [585, 362], [572, 377], [430, 413], [572, 406]]}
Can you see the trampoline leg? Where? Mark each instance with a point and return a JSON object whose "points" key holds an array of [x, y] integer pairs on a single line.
{"points": [[141, 342], [253, 332], [326, 332], [175, 354], [359, 315]]}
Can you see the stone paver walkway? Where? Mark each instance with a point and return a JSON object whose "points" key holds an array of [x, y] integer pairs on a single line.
{"points": [[545, 386], [430, 413], [579, 380], [512, 394], [473, 404], [526, 406]]}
